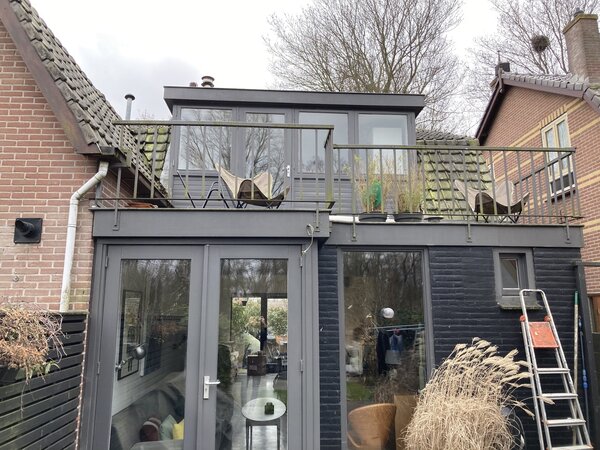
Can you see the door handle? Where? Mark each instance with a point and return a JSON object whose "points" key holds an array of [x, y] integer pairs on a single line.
{"points": [[208, 384]]}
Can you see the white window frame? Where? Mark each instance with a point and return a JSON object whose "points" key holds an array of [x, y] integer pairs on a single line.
{"points": [[564, 168]]}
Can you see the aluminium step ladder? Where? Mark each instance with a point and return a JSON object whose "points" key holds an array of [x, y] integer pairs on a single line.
{"points": [[543, 335]]}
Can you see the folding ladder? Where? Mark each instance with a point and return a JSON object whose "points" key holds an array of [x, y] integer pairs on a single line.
{"points": [[543, 335]]}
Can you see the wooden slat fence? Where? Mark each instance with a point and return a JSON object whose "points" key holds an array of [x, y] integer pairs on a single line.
{"points": [[43, 413]]}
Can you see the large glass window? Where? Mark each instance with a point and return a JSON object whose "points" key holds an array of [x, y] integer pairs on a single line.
{"points": [[386, 129], [312, 147], [384, 344], [201, 148], [265, 149]]}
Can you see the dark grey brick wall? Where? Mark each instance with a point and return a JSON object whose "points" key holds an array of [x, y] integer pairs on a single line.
{"points": [[464, 304], [329, 348]]}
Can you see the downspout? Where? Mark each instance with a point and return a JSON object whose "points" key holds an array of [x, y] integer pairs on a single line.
{"points": [[71, 231]]}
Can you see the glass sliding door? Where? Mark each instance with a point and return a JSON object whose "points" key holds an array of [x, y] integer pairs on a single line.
{"points": [[384, 341]]}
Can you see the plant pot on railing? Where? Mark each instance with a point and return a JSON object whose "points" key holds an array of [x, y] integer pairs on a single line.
{"points": [[408, 217], [372, 204], [409, 198], [372, 188]]}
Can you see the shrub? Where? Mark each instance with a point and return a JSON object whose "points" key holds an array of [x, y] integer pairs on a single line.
{"points": [[27, 332]]}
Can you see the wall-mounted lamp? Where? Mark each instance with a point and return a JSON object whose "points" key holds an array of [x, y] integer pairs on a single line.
{"points": [[28, 231]]}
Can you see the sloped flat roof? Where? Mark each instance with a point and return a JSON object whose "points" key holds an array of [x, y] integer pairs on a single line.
{"points": [[277, 98]]}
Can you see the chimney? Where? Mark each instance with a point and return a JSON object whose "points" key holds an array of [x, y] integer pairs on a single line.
{"points": [[208, 81], [583, 46], [502, 66]]}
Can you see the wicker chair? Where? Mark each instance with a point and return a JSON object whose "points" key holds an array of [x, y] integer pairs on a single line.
{"points": [[371, 427]]}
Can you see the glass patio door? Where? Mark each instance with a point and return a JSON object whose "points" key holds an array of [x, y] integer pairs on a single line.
{"points": [[199, 348], [148, 357], [253, 349]]}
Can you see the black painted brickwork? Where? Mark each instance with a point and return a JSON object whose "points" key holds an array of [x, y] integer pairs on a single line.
{"points": [[464, 304], [329, 349]]}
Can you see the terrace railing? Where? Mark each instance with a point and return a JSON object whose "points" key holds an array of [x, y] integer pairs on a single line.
{"points": [[449, 182], [460, 182], [187, 176]]}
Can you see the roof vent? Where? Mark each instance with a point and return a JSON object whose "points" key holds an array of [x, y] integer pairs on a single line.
{"points": [[130, 98], [578, 12], [208, 81], [193, 84]]}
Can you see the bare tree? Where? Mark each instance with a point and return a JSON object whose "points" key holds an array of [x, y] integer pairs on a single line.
{"points": [[529, 36], [384, 46]]}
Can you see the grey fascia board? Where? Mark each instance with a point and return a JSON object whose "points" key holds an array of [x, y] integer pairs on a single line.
{"points": [[292, 224], [271, 98], [190, 223], [456, 234]]}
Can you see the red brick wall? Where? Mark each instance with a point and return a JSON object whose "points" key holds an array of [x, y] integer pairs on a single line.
{"points": [[519, 121], [39, 171]]}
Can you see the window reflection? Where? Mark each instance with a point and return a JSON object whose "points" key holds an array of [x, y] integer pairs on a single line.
{"points": [[252, 400], [312, 156], [510, 273], [203, 147], [265, 150], [386, 129], [150, 372], [384, 344]]}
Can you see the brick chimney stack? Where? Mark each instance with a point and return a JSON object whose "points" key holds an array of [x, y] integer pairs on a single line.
{"points": [[583, 46]]}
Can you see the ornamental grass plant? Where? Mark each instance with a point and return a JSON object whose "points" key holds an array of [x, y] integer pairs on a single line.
{"points": [[460, 407]]}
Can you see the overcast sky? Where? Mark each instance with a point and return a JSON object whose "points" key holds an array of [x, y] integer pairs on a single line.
{"points": [[139, 46]]}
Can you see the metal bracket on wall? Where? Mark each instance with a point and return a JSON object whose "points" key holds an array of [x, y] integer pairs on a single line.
{"points": [[116, 218], [469, 235], [567, 231], [317, 218]]}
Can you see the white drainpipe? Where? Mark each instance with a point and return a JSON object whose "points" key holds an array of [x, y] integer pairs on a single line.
{"points": [[71, 231]]}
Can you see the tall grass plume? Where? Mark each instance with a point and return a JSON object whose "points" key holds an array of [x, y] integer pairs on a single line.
{"points": [[460, 407]]}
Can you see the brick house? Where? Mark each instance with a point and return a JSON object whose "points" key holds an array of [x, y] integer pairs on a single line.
{"points": [[295, 304], [56, 133], [559, 111]]}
